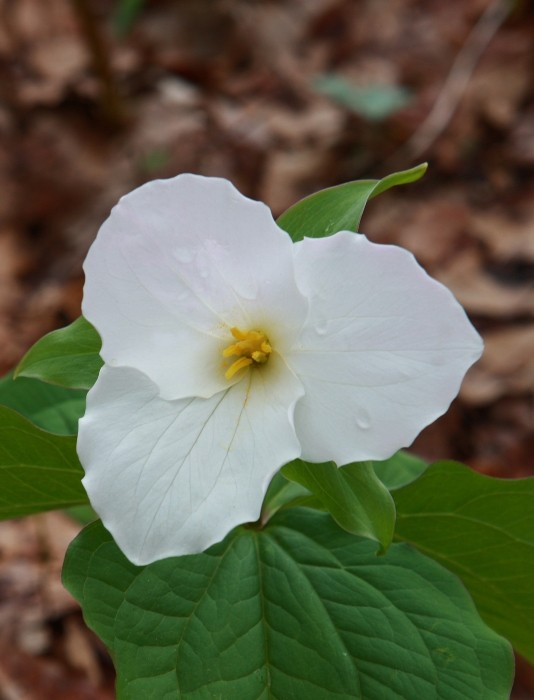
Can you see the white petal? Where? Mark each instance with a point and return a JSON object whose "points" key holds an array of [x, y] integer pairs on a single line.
{"points": [[174, 477], [177, 264], [382, 354]]}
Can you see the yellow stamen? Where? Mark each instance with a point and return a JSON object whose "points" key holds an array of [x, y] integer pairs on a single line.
{"points": [[236, 366], [251, 347]]}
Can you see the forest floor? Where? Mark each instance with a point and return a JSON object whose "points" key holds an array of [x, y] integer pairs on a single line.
{"points": [[282, 98]]}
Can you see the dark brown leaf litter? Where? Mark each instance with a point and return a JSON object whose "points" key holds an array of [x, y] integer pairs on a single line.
{"points": [[230, 89], [46, 652]]}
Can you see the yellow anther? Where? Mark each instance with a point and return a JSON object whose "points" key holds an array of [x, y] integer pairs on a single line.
{"points": [[238, 335], [231, 350], [251, 347], [236, 366]]}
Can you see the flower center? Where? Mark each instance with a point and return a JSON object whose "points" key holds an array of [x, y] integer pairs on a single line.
{"points": [[252, 347]]}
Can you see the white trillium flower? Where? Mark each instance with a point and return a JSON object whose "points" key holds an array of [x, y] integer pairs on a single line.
{"points": [[230, 351]]}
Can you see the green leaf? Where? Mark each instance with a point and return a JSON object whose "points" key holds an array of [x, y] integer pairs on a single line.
{"points": [[353, 495], [298, 610], [373, 102], [481, 528], [399, 470], [126, 14], [50, 407], [82, 514], [340, 208], [68, 357], [281, 494], [38, 471]]}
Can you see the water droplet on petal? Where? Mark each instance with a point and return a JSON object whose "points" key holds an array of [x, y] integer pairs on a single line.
{"points": [[248, 290], [321, 327], [363, 419]]}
